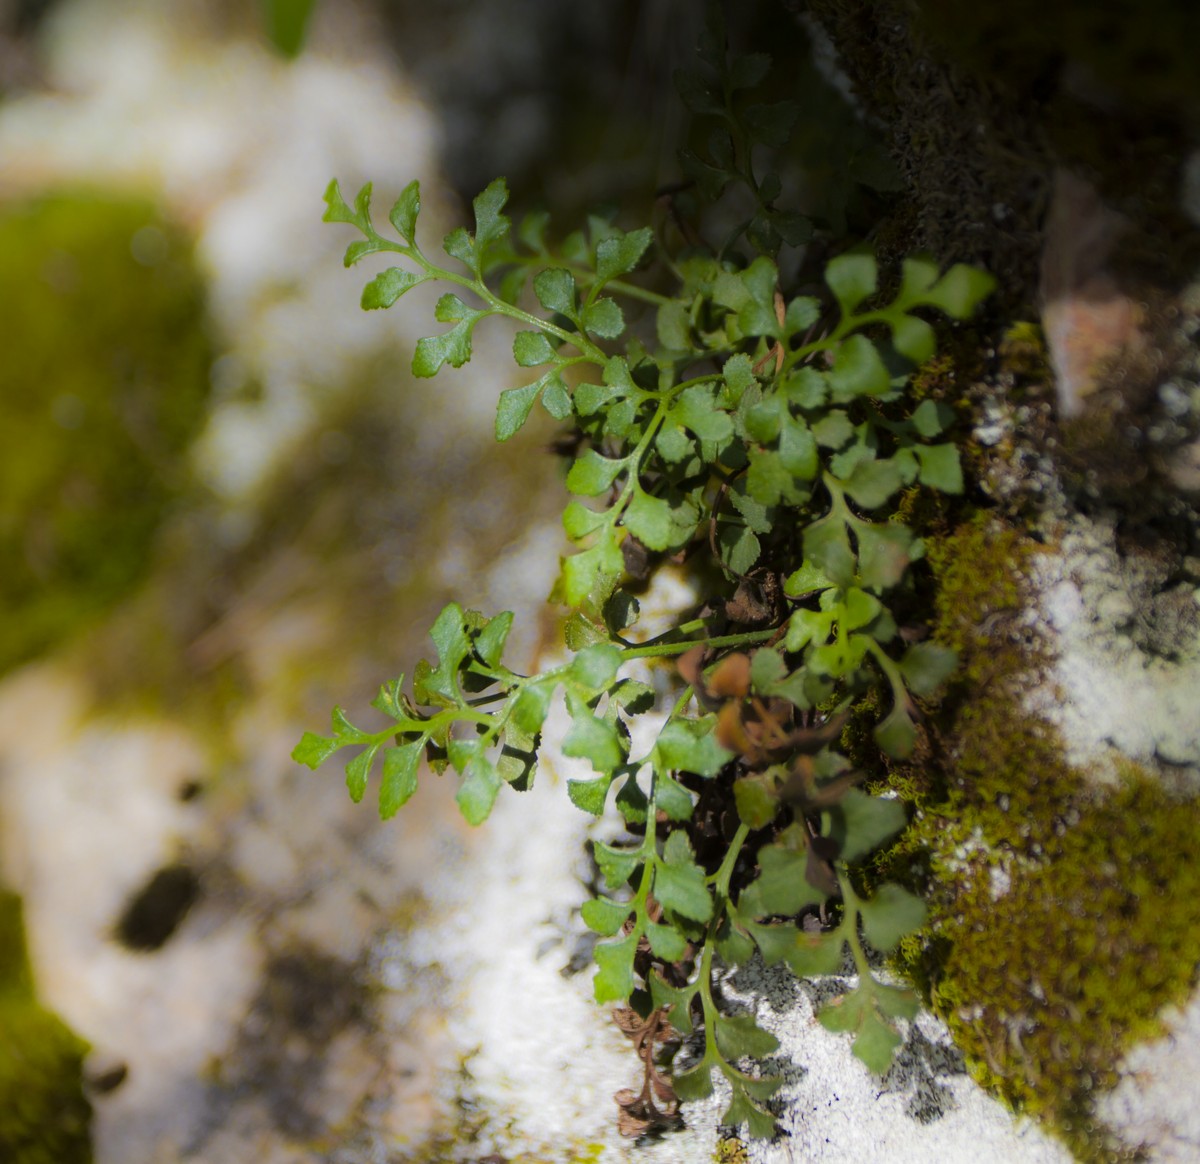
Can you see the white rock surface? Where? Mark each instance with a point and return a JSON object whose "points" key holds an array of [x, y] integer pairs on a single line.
{"points": [[1125, 646]]}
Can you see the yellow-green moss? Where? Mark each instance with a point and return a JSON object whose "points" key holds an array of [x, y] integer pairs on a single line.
{"points": [[102, 385], [44, 1115], [1063, 917], [731, 1150]]}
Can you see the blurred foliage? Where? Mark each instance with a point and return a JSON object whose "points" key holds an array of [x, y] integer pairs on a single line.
{"points": [[287, 23], [44, 1115], [100, 395]]}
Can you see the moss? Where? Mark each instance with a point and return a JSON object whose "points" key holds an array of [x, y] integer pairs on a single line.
{"points": [[44, 1116], [99, 397], [1063, 917], [731, 1150]]}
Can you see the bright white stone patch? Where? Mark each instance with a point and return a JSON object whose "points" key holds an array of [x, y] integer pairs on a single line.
{"points": [[1126, 658]]}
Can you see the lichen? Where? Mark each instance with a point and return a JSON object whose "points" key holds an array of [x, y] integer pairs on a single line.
{"points": [[44, 1116], [1064, 915], [99, 397]]}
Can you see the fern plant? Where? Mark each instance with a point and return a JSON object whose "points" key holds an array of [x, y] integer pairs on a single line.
{"points": [[766, 437]]}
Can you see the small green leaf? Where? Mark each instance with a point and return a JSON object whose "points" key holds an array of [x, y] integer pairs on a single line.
{"points": [[531, 348], [679, 1001], [757, 800], [666, 942], [679, 883], [579, 521], [387, 287], [689, 745], [873, 483], [513, 408], [940, 468], [896, 1001], [960, 290], [694, 1083], [345, 732], [929, 418], [833, 430], [739, 1036], [604, 318], [858, 370], [614, 975], [592, 739], [477, 792], [860, 823], [490, 225], [287, 22], [896, 734], [649, 520], [806, 388], [766, 669], [489, 643], [775, 942], [616, 865], [556, 400], [734, 946], [918, 275], [672, 798], [405, 210], [555, 291], [877, 1043], [926, 666], [399, 777], [739, 375], [804, 311], [592, 474], [781, 887], [338, 211], [357, 771], [913, 338], [673, 326], [884, 553], [845, 1013], [827, 548], [697, 409], [859, 608], [804, 581], [313, 750], [452, 347], [389, 699], [589, 795], [592, 570], [890, 914], [620, 254], [595, 667], [631, 801], [798, 449], [531, 707], [851, 278], [604, 916], [815, 954]]}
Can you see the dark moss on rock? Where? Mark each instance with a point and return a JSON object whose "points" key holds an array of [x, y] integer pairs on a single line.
{"points": [[102, 387], [44, 1114]]}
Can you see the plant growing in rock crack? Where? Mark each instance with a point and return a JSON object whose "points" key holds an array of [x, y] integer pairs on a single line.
{"points": [[767, 434]]}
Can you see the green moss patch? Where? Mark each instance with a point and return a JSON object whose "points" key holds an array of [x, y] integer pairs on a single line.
{"points": [[1064, 918], [102, 386], [44, 1115]]}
